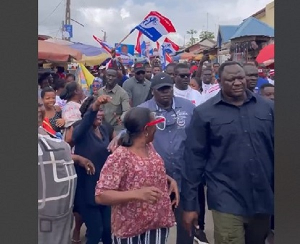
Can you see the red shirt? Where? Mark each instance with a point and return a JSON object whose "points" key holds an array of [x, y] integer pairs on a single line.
{"points": [[124, 171]]}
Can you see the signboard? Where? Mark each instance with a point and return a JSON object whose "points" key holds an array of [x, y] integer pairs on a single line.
{"points": [[126, 52], [68, 31], [125, 49]]}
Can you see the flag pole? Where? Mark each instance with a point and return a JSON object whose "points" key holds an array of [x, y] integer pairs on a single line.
{"points": [[123, 40]]}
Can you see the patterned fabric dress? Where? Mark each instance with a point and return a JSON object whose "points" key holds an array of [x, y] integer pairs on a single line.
{"points": [[56, 190], [125, 171]]}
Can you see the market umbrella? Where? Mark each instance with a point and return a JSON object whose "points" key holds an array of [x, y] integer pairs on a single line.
{"points": [[88, 50], [267, 53], [94, 60], [55, 52], [186, 55], [59, 41]]}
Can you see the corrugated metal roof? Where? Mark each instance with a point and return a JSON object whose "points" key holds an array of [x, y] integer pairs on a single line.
{"points": [[225, 33], [253, 27]]}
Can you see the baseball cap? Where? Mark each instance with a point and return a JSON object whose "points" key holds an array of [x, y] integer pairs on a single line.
{"points": [[138, 67], [160, 80]]}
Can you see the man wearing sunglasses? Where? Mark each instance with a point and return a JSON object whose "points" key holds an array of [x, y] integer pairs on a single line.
{"points": [[137, 87], [182, 88]]}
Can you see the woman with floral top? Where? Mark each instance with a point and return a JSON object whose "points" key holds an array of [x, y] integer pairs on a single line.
{"points": [[134, 182]]}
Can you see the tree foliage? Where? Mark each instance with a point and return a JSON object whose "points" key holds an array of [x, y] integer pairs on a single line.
{"points": [[206, 35], [193, 39]]}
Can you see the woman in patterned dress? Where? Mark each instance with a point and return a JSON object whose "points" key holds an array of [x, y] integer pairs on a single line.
{"points": [[134, 182]]}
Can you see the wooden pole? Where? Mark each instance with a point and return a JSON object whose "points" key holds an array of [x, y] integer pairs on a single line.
{"points": [[122, 40]]}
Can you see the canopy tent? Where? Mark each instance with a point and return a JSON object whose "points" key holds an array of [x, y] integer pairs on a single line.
{"points": [[267, 53], [184, 55], [94, 60], [56, 52], [91, 55]]}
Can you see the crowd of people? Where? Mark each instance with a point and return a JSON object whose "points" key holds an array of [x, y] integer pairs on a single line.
{"points": [[141, 151]]}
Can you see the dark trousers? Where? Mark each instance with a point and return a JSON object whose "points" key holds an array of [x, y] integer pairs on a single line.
{"points": [[98, 223], [183, 236], [201, 199], [233, 229], [158, 236], [272, 222]]}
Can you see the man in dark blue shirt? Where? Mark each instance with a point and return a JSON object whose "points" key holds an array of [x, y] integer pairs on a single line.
{"points": [[231, 141]]}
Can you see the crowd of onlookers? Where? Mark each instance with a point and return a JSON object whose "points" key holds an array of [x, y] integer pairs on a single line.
{"points": [[133, 156]]}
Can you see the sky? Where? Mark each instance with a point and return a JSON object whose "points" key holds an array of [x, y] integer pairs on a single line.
{"points": [[118, 17]]}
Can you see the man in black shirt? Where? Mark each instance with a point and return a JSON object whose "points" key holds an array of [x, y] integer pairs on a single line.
{"points": [[230, 141]]}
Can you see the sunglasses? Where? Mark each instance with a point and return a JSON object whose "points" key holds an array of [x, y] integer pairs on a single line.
{"points": [[96, 86], [182, 76], [140, 72]]}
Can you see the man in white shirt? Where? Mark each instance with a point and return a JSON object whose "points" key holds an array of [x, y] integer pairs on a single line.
{"points": [[210, 88], [205, 73], [182, 88]]}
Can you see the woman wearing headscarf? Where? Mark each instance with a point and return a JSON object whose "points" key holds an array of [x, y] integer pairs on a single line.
{"points": [[91, 139]]}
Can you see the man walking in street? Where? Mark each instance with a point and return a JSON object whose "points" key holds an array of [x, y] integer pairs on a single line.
{"points": [[267, 91], [251, 73], [119, 104], [230, 141], [182, 88], [137, 87], [169, 139]]}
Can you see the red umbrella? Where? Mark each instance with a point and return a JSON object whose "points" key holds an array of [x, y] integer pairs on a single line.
{"points": [[266, 54], [55, 52]]}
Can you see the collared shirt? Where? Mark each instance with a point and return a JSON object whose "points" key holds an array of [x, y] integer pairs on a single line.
{"points": [[169, 143], [234, 148], [137, 91], [117, 107]]}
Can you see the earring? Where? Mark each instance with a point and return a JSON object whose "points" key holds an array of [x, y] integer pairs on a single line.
{"points": [[146, 134]]}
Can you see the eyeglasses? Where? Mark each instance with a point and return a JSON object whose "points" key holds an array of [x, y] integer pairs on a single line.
{"points": [[140, 72], [182, 76]]}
